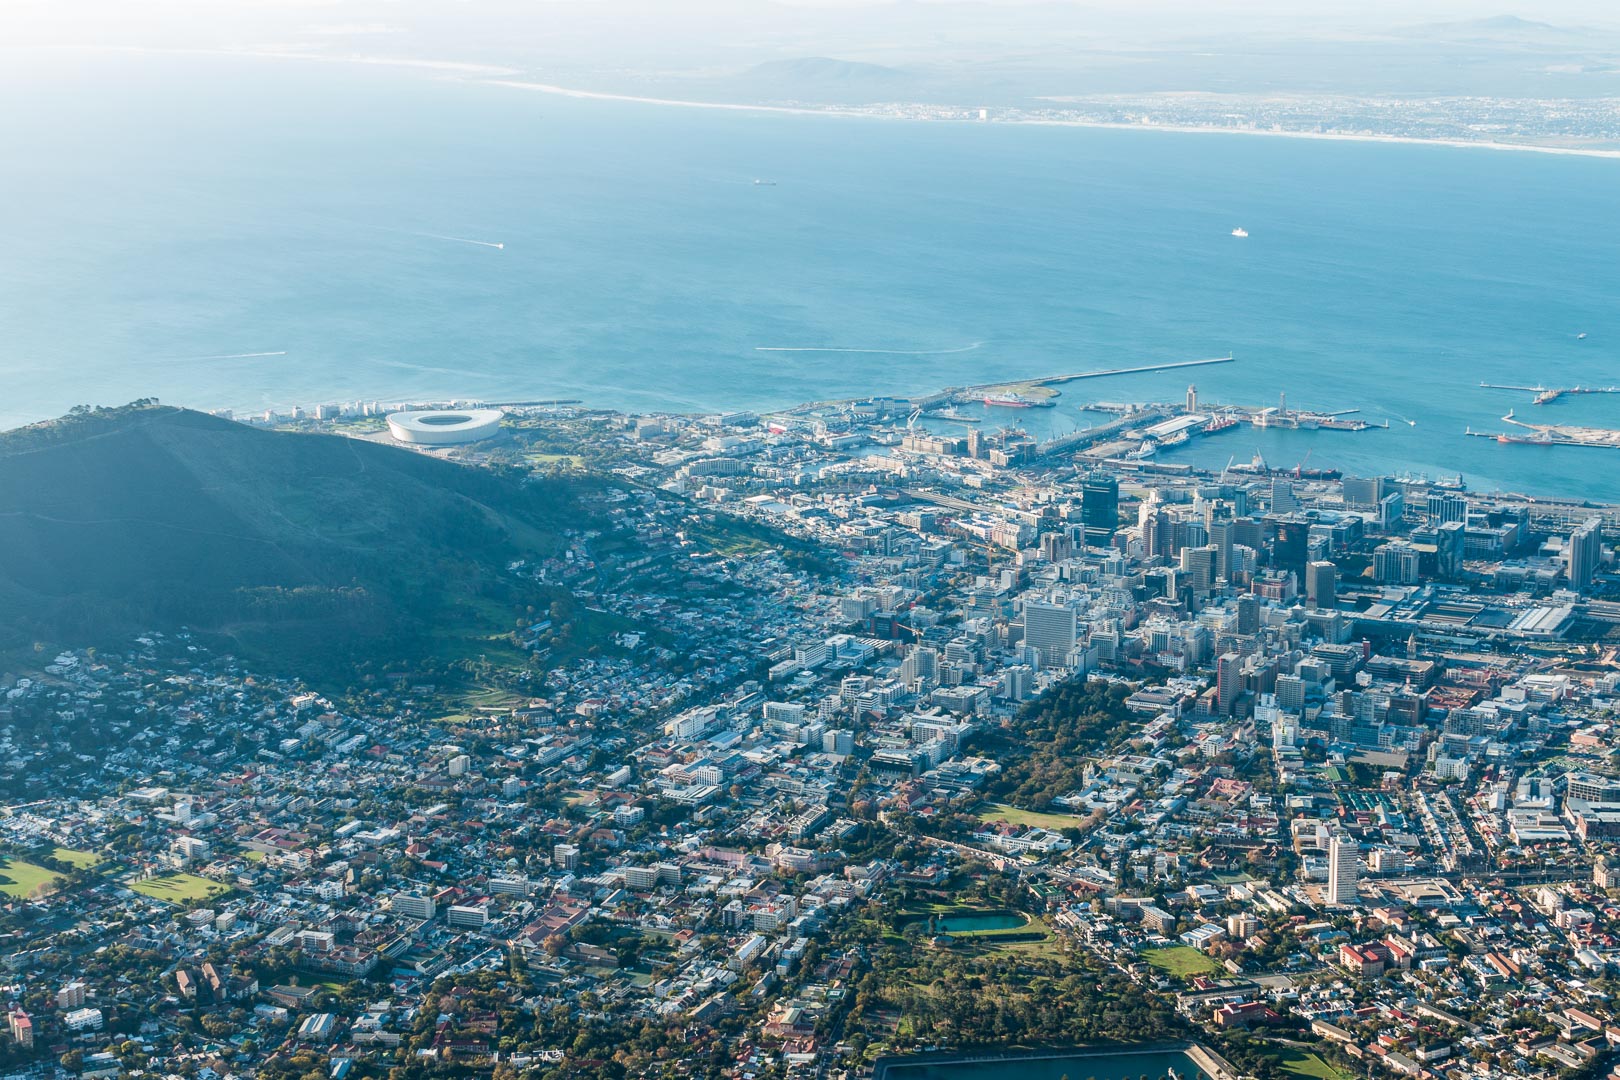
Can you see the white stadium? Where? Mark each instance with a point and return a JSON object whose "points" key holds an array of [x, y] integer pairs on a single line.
{"points": [[450, 427]]}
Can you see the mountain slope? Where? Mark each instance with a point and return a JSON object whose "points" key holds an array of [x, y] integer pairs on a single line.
{"points": [[301, 549]]}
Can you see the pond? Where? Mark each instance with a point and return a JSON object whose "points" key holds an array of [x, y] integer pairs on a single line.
{"points": [[969, 920]]}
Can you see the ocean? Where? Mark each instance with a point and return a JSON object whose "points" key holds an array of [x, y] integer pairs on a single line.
{"points": [[252, 233]]}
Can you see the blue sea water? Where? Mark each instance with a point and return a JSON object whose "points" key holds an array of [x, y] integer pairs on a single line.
{"points": [[162, 216]]}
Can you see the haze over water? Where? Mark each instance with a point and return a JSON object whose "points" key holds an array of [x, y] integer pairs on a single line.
{"points": [[317, 215]]}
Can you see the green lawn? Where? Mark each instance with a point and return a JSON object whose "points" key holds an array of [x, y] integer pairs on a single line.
{"points": [[1181, 960], [180, 888], [1309, 1065], [1014, 816], [21, 879], [85, 859]]}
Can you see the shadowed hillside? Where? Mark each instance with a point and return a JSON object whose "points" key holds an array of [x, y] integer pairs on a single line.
{"points": [[309, 551]]}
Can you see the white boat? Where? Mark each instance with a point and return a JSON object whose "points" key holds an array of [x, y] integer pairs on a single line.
{"points": [[1240, 231]]}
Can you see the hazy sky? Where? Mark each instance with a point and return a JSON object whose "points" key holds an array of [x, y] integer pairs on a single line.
{"points": [[155, 22], [650, 39]]}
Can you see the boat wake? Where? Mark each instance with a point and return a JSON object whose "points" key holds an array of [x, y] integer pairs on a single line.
{"points": [[224, 356], [869, 352], [464, 240]]}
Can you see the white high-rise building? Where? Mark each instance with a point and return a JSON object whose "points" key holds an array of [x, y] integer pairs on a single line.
{"points": [[1344, 870], [1050, 629]]}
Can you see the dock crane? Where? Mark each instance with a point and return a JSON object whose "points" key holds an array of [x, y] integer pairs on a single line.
{"points": [[1300, 468], [1228, 468]]}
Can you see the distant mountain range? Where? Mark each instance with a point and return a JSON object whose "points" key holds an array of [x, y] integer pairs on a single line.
{"points": [[819, 79], [823, 70], [1495, 28], [315, 553]]}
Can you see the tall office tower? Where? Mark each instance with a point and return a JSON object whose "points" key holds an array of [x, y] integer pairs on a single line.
{"points": [[1248, 614], [1056, 546], [1344, 869], [1292, 548], [1050, 629], [1228, 682], [1450, 542], [1321, 583], [1585, 552], [1447, 506], [1222, 529], [1189, 533], [1282, 496], [1148, 523], [1192, 398], [1099, 506], [1198, 564], [975, 449], [1391, 510]]}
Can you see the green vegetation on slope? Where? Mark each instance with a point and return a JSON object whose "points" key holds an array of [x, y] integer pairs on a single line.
{"points": [[305, 552]]}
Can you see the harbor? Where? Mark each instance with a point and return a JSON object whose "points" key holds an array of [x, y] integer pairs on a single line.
{"points": [[1143, 431]]}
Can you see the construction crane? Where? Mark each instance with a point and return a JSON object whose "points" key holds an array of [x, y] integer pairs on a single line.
{"points": [[1300, 468], [1228, 467]]}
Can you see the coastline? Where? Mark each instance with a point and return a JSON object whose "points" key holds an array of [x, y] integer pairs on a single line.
{"points": [[845, 112], [486, 74]]}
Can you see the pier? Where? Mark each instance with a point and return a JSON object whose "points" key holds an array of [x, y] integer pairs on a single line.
{"points": [[1546, 395], [1053, 380], [966, 393]]}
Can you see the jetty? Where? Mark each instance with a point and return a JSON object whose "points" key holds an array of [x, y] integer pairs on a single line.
{"points": [[1047, 382], [1546, 395]]}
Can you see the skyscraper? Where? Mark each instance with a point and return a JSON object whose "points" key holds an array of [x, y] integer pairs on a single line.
{"points": [[1321, 583], [1292, 548], [1450, 542], [1584, 553], [1248, 614], [1099, 506], [1198, 564], [1228, 682], [1344, 869], [1049, 629], [1221, 530]]}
